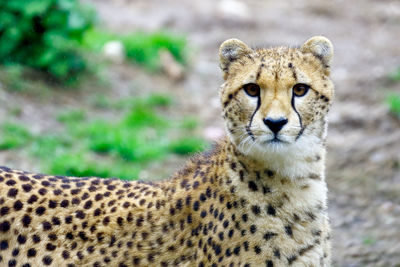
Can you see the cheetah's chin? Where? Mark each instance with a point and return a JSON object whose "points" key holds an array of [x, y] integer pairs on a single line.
{"points": [[286, 158], [275, 141]]}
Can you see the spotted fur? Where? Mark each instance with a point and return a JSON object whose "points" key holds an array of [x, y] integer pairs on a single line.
{"points": [[244, 203]]}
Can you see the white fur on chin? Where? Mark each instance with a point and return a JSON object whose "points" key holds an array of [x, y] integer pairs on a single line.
{"points": [[291, 160]]}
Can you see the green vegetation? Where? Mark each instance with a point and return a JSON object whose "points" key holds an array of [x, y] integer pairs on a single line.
{"points": [[187, 145], [189, 123], [13, 136], [141, 48], [393, 101], [71, 116], [59, 39], [144, 49], [99, 147], [45, 35], [11, 75], [393, 98]]}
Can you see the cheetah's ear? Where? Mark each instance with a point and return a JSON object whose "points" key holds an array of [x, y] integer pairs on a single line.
{"points": [[320, 47], [229, 51]]}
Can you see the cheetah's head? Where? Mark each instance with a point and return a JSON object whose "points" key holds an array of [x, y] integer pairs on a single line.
{"points": [[275, 100]]}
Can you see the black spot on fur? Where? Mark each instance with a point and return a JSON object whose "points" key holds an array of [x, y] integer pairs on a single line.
{"points": [[252, 186], [269, 235], [291, 259], [289, 231], [269, 263], [271, 210]]}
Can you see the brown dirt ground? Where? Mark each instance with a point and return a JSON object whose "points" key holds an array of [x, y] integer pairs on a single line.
{"points": [[363, 168]]}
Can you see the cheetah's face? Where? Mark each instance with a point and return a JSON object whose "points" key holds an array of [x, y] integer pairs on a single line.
{"points": [[276, 100]]}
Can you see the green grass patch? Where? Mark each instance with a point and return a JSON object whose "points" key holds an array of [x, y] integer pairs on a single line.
{"points": [[189, 123], [140, 47], [83, 165], [13, 136], [187, 145], [50, 145], [45, 35], [144, 48], [129, 142], [59, 40], [393, 102], [71, 116], [109, 148], [150, 102], [158, 100]]}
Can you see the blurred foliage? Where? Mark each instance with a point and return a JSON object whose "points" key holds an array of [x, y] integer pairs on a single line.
{"points": [[81, 165], [393, 101], [141, 48], [13, 136], [189, 123], [145, 49], [12, 76], [45, 35], [54, 39], [104, 148], [71, 116], [57, 38], [187, 145]]}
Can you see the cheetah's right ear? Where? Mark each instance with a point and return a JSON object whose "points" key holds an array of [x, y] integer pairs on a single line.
{"points": [[229, 51]]}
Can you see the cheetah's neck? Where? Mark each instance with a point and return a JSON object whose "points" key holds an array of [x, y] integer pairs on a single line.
{"points": [[302, 182]]}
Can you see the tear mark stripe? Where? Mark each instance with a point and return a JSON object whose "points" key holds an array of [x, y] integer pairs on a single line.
{"points": [[300, 120], [300, 132], [250, 133], [248, 127]]}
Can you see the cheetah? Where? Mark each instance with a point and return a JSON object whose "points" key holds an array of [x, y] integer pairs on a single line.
{"points": [[257, 198]]}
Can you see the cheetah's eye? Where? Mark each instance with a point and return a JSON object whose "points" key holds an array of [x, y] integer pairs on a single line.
{"points": [[300, 89], [252, 89]]}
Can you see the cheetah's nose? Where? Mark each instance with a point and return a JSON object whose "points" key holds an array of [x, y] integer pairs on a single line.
{"points": [[275, 125]]}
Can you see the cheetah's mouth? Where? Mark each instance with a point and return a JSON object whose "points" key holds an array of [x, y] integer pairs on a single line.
{"points": [[275, 140]]}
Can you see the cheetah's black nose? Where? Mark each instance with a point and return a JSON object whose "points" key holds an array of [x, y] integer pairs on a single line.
{"points": [[275, 125]]}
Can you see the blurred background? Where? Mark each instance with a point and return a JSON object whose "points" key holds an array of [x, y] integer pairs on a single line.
{"points": [[129, 89]]}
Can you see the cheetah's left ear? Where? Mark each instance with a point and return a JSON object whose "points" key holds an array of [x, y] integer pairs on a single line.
{"points": [[320, 47], [229, 51]]}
